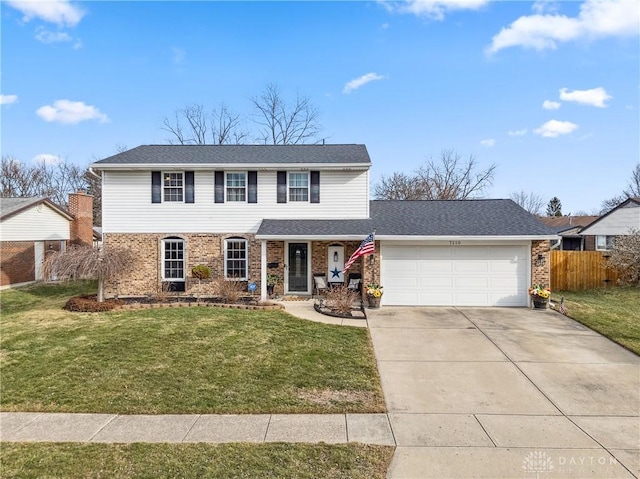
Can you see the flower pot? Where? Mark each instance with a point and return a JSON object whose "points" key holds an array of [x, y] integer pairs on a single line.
{"points": [[374, 303], [539, 303]]}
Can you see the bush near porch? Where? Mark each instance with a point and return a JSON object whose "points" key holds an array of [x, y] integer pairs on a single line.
{"points": [[184, 360]]}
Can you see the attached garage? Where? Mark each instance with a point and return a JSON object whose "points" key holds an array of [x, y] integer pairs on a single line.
{"points": [[455, 274]]}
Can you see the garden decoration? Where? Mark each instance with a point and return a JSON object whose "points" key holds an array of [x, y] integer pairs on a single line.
{"points": [[540, 296]]}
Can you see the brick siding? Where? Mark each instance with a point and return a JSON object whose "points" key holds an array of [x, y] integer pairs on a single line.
{"points": [[81, 228], [541, 274]]}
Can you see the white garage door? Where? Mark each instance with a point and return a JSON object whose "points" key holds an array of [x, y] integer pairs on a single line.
{"points": [[455, 275]]}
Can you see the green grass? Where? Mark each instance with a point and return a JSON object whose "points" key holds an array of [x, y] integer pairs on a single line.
{"points": [[613, 312], [225, 461], [182, 360]]}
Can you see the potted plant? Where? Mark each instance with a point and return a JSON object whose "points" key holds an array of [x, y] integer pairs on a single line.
{"points": [[540, 296], [272, 281], [374, 294]]}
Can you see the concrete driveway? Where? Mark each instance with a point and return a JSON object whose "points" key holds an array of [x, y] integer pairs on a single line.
{"points": [[502, 392]]}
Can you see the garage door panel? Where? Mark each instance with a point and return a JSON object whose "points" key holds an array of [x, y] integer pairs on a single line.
{"points": [[455, 275]]}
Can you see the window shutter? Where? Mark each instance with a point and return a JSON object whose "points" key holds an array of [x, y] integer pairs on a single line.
{"points": [[188, 187], [282, 186], [315, 187], [219, 192], [156, 187], [252, 180]]}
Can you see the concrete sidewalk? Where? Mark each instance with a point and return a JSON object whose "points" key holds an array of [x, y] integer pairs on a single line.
{"points": [[304, 309], [211, 428]]}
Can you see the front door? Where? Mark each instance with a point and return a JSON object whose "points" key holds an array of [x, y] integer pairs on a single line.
{"points": [[298, 268]]}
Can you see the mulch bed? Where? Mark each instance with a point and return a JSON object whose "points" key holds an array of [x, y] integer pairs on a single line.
{"points": [[357, 312]]}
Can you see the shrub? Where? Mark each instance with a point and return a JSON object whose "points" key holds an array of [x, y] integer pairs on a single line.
{"points": [[229, 291], [201, 271], [340, 299], [625, 257], [88, 303]]}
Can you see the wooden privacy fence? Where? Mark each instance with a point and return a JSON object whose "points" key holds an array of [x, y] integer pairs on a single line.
{"points": [[577, 270]]}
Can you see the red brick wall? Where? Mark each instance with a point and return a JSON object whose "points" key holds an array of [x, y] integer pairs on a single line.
{"points": [[17, 260], [81, 228]]}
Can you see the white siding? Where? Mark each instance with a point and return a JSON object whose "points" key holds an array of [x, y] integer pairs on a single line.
{"points": [[617, 223], [38, 223], [127, 207]]}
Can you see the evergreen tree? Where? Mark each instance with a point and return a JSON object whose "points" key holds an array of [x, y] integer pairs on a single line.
{"points": [[554, 207]]}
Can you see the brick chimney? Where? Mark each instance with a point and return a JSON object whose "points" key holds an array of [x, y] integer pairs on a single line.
{"points": [[81, 208]]}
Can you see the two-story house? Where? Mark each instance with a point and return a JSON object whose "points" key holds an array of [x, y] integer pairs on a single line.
{"points": [[300, 210]]}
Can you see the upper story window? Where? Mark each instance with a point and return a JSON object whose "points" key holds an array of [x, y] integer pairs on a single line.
{"points": [[236, 254], [173, 186], [299, 186], [236, 186], [605, 242]]}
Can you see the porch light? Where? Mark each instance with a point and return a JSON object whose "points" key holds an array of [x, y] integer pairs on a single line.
{"points": [[335, 256], [541, 260]]}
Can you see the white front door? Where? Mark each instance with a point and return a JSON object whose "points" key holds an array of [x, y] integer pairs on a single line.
{"points": [[335, 264], [39, 259]]}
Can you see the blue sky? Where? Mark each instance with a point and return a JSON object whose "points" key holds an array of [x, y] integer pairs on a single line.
{"points": [[548, 91]]}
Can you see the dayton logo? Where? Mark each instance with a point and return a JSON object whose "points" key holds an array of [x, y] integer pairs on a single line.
{"points": [[537, 462]]}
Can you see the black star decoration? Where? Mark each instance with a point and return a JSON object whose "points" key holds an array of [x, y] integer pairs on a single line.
{"points": [[335, 272]]}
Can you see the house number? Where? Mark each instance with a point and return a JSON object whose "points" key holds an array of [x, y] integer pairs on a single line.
{"points": [[455, 243]]}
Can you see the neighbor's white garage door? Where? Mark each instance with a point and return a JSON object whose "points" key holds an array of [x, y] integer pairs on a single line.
{"points": [[455, 275]]}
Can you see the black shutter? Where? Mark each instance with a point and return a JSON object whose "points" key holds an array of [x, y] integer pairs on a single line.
{"points": [[188, 187], [252, 194], [282, 186], [156, 187], [315, 187], [219, 193]]}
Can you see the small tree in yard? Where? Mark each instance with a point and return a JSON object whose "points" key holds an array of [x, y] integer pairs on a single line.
{"points": [[625, 257], [82, 262]]}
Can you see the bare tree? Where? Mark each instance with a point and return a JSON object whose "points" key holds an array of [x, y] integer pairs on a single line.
{"points": [[631, 191], [625, 257], [449, 178], [82, 262], [53, 180], [285, 124], [531, 202], [192, 125]]}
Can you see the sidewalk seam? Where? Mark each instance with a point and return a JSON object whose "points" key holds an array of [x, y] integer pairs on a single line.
{"points": [[266, 431], [105, 425], [191, 427]]}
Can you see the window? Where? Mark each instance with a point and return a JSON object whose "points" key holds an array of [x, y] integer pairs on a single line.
{"points": [[235, 254], [173, 259], [236, 187], [173, 186], [604, 243], [298, 186]]}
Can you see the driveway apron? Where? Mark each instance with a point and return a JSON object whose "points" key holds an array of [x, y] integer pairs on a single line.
{"points": [[505, 392]]}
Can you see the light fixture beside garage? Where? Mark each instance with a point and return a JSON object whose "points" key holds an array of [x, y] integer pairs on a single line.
{"points": [[541, 260]]}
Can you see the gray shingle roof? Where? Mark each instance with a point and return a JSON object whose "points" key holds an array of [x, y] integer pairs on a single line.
{"points": [[422, 218], [240, 154]]}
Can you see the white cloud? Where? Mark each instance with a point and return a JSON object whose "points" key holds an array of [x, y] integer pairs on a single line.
{"points": [[70, 112], [551, 105], [593, 97], [555, 128], [488, 143], [597, 19], [47, 159], [45, 36], [542, 6], [517, 132], [60, 12], [360, 81], [435, 9], [8, 99]]}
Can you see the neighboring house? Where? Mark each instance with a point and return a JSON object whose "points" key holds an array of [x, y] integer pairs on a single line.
{"points": [[29, 227], [617, 222], [568, 229], [300, 210]]}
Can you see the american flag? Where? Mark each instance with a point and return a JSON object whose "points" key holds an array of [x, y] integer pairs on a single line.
{"points": [[366, 247]]}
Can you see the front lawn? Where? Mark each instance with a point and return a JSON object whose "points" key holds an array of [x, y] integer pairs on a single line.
{"points": [[224, 461], [613, 312], [183, 360]]}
